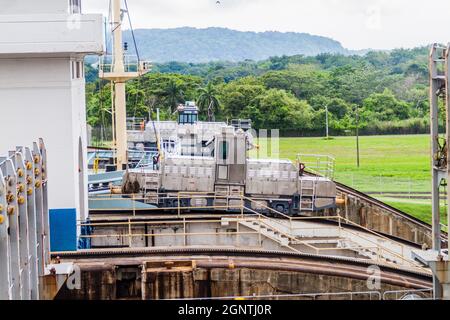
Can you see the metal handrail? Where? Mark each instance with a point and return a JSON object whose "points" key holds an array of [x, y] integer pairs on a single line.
{"points": [[404, 292], [283, 296], [347, 221], [131, 64], [262, 220], [323, 165], [288, 236]]}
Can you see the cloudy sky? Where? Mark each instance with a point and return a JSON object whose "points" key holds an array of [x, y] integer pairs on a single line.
{"points": [[357, 24]]}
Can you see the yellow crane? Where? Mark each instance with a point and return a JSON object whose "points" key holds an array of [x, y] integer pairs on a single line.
{"points": [[119, 69]]}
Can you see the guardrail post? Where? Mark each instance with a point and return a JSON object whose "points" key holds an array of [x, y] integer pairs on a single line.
{"points": [[242, 204], [237, 232], [178, 203], [130, 239], [340, 226], [259, 231], [185, 232], [134, 205]]}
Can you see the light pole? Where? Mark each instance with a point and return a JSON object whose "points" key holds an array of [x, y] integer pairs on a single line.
{"points": [[357, 136], [326, 121]]}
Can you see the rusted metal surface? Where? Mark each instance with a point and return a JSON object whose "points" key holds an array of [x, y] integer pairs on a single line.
{"points": [[198, 275], [142, 253]]}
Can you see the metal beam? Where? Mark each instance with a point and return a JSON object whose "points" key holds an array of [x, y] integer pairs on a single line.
{"points": [[45, 209], [447, 114], [32, 235], [23, 226], [12, 210], [40, 232], [5, 277], [437, 259], [435, 85], [119, 97]]}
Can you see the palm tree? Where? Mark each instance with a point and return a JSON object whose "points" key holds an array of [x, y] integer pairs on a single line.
{"points": [[174, 94], [208, 100]]}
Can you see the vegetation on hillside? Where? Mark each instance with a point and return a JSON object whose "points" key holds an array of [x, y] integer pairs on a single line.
{"points": [[217, 44], [381, 92]]}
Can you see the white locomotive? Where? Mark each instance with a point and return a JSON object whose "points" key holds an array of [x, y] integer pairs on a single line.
{"points": [[210, 159]]}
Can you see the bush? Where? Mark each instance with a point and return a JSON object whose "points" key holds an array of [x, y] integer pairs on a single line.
{"points": [[408, 126]]}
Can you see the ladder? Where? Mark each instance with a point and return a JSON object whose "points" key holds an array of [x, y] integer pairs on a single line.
{"points": [[307, 194]]}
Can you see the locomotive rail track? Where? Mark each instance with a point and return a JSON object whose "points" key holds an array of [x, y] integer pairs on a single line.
{"points": [[104, 216]]}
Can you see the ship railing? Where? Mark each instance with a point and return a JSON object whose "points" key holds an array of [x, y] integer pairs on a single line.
{"points": [[138, 158], [320, 165], [136, 123], [143, 156], [284, 225], [131, 64]]}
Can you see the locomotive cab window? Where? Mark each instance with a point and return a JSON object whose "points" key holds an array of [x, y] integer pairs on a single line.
{"points": [[187, 118], [223, 150]]}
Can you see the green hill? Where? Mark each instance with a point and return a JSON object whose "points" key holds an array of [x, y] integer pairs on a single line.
{"points": [[220, 44]]}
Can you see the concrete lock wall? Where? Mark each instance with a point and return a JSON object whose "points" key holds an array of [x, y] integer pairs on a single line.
{"points": [[381, 220], [109, 282]]}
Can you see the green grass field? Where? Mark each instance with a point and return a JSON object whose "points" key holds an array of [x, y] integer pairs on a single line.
{"points": [[420, 209], [403, 158], [387, 164]]}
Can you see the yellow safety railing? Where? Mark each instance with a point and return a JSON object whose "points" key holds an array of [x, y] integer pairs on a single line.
{"points": [[285, 225]]}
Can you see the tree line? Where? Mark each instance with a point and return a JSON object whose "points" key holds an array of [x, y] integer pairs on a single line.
{"points": [[387, 90]]}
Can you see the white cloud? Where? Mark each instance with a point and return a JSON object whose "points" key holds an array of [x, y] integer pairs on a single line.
{"points": [[358, 24]]}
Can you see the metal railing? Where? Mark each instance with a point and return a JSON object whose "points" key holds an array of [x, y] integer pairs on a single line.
{"points": [[138, 158], [371, 295], [284, 226], [144, 157], [401, 294], [361, 295], [184, 234], [136, 124], [375, 245], [321, 165], [131, 64]]}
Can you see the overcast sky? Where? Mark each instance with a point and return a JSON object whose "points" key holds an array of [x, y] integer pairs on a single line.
{"points": [[357, 24]]}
